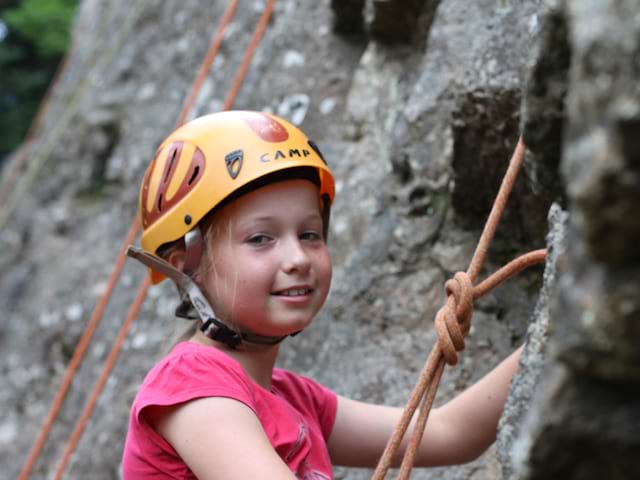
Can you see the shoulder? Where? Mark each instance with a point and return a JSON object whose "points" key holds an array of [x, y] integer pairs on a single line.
{"points": [[192, 371], [297, 384], [191, 383], [220, 438]]}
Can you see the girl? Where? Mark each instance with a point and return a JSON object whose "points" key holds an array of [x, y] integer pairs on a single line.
{"points": [[235, 209]]}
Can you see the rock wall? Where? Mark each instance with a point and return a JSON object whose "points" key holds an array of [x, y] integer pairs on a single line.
{"points": [[418, 123], [584, 417]]}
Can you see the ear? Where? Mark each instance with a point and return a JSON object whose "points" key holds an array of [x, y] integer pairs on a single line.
{"points": [[176, 258]]}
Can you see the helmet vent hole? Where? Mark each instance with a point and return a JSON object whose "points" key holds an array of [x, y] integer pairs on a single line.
{"points": [[171, 162], [160, 203], [194, 175]]}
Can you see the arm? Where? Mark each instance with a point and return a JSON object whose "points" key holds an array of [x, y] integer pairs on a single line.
{"points": [[472, 417], [219, 438], [457, 432]]}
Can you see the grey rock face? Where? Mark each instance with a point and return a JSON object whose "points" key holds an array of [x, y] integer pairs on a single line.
{"points": [[418, 135], [600, 166], [584, 418], [601, 161], [348, 16], [543, 107], [398, 21], [388, 21], [534, 356]]}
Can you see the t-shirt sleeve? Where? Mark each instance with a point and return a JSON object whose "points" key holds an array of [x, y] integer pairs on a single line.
{"points": [[326, 402], [188, 375], [309, 394]]}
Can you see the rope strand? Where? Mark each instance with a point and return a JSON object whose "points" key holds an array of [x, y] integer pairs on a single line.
{"points": [[248, 55], [477, 260], [78, 355], [133, 230], [452, 324], [102, 380], [421, 423], [212, 52], [144, 287]]}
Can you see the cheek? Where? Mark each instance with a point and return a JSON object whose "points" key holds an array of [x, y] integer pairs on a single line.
{"points": [[325, 268], [216, 290], [252, 280], [221, 282]]}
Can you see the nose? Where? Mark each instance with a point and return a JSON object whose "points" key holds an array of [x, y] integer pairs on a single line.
{"points": [[295, 257]]}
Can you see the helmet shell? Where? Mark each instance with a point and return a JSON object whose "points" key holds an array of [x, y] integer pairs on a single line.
{"points": [[206, 160]]}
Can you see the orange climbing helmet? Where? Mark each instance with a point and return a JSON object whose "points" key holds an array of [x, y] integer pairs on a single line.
{"points": [[209, 159]]}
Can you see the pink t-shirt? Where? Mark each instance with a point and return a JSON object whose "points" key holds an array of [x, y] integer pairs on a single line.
{"points": [[297, 414]]}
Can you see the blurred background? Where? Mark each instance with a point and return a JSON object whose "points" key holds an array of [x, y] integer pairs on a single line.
{"points": [[34, 36], [417, 106]]}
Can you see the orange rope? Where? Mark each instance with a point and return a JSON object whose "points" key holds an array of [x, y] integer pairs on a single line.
{"points": [[248, 55], [78, 355], [189, 102], [512, 268], [454, 308], [133, 312], [499, 204], [102, 380], [453, 322], [16, 168], [100, 307]]}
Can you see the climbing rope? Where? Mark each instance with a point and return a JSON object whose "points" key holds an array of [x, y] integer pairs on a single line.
{"points": [[76, 358], [453, 322], [13, 190], [248, 55], [112, 358], [207, 62], [14, 196], [135, 307], [18, 165], [144, 287]]}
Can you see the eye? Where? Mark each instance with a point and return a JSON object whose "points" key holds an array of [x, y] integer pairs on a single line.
{"points": [[311, 235], [258, 239]]}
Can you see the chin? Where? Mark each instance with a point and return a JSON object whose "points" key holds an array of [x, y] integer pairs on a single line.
{"points": [[291, 327], [278, 324]]}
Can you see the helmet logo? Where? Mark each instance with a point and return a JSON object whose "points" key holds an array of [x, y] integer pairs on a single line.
{"points": [[266, 127], [293, 152], [233, 160], [313, 145]]}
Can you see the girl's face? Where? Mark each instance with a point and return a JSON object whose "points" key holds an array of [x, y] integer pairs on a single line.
{"points": [[269, 268]]}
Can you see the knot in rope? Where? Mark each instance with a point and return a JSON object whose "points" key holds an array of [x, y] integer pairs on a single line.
{"points": [[453, 320]]}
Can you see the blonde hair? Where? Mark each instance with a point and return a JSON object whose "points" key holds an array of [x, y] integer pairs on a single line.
{"points": [[212, 231]]}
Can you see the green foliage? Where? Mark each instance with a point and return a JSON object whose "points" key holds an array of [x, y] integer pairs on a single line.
{"points": [[45, 24], [38, 36]]}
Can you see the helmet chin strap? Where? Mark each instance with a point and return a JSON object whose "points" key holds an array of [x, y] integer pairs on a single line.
{"points": [[193, 299]]}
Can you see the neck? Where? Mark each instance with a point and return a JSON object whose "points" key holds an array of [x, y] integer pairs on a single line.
{"points": [[257, 361]]}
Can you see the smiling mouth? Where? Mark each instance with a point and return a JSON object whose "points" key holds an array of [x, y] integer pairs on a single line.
{"points": [[294, 292]]}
